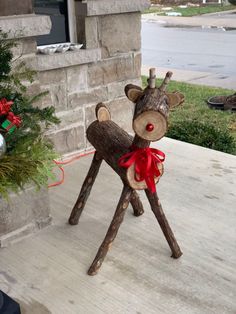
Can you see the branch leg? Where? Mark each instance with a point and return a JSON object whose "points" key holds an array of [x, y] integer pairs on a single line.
{"points": [[112, 230], [85, 190], [161, 218], [136, 204]]}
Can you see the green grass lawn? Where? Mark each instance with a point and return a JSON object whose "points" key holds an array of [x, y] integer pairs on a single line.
{"points": [[192, 11], [196, 123]]}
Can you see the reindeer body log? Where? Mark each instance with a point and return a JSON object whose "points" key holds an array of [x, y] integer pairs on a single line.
{"points": [[138, 166], [111, 142]]}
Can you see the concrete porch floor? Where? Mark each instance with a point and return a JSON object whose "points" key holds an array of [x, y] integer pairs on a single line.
{"points": [[46, 272]]}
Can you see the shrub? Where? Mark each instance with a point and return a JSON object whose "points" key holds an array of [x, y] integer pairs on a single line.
{"points": [[203, 134], [27, 155]]}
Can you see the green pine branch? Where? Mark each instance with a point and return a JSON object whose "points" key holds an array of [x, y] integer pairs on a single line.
{"points": [[30, 155]]}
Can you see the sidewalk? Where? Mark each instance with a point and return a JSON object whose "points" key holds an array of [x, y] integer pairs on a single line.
{"points": [[46, 272], [195, 77], [220, 19]]}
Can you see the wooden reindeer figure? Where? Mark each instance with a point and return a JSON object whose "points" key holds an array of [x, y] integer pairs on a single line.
{"points": [[138, 165]]}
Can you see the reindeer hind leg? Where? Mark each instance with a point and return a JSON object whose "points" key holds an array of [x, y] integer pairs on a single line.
{"points": [[85, 190], [136, 204]]}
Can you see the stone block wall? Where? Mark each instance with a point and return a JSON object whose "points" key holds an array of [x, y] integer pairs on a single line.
{"points": [[75, 89]]}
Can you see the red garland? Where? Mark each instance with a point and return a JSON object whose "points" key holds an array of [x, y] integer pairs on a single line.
{"points": [[145, 162], [5, 106]]}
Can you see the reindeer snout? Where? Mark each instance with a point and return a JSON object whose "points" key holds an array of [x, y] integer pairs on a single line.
{"points": [[150, 125]]}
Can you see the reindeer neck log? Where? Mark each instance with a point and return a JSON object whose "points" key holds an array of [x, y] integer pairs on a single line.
{"points": [[140, 142]]}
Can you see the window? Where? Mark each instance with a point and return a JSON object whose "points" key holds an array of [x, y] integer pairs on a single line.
{"points": [[62, 17]]}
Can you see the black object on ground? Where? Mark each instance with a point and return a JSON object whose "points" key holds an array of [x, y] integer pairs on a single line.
{"points": [[8, 305], [223, 102]]}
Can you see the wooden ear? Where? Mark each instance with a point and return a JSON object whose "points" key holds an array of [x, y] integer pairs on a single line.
{"points": [[133, 92], [175, 99], [102, 112]]}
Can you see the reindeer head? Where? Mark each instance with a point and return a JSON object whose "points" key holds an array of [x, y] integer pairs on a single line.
{"points": [[152, 107]]}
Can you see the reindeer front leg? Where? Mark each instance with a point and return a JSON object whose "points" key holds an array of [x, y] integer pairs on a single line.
{"points": [[163, 222], [86, 189], [112, 231]]}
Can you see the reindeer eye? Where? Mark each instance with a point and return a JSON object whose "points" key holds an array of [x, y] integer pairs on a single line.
{"points": [[149, 127]]}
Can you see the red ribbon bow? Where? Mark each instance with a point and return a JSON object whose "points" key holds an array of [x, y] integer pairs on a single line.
{"points": [[15, 120], [145, 162], [5, 106]]}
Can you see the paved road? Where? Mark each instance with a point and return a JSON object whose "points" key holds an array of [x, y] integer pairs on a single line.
{"points": [[189, 49]]}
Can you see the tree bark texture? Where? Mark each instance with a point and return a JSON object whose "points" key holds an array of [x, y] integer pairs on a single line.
{"points": [[152, 100], [111, 142], [151, 109], [139, 142], [86, 189], [112, 231], [136, 204], [161, 218]]}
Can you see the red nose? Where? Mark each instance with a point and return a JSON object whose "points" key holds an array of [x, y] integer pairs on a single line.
{"points": [[149, 127]]}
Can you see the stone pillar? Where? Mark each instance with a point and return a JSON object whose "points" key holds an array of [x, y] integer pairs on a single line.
{"points": [[22, 214], [29, 210]]}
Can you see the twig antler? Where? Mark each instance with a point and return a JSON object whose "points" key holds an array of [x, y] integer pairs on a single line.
{"points": [[152, 78], [165, 82]]}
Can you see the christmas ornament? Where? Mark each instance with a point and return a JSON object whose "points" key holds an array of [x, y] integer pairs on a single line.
{"points": [[3, 146], [12, 122]]}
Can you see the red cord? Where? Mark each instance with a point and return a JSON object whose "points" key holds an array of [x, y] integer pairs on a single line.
{"points": [[58, 163]]}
